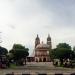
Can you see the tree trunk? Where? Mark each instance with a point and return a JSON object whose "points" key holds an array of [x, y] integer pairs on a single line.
{"points": [[25, 61], [61, 61]]}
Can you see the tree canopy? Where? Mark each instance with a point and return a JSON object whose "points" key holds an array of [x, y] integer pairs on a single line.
{"points": [[74, 49], [3, 51], [62, 51], [64, 45], [19, 52]]}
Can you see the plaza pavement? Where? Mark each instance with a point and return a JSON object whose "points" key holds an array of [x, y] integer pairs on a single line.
{"points": [[38, 68]]}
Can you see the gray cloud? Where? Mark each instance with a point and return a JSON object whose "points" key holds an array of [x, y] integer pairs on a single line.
{"points": [[63, 11]]}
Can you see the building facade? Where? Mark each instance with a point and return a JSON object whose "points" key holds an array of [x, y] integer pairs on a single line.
{"points": [[42, 50]]}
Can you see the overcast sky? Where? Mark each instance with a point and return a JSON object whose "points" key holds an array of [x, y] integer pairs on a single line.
{"points": [[22, 20]]}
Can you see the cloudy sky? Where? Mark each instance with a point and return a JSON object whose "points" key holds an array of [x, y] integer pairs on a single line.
{"points": [[22, 20]]}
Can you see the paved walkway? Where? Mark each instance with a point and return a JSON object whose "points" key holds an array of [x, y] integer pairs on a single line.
{"points": [[36, 68]]}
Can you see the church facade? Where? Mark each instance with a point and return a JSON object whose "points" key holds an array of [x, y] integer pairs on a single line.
{"points": [[42, 50]]}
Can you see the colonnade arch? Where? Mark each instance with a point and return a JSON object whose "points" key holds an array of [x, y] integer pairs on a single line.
{"points": [[44, 59]]}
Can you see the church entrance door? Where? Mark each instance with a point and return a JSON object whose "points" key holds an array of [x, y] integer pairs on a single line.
{"points": [[44, 59]]}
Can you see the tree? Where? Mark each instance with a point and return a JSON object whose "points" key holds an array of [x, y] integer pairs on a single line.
{"points": [[73, 53], [3, 51], [64, 45], [62, 51], [3, 57], [74, 49], [19, 52]]}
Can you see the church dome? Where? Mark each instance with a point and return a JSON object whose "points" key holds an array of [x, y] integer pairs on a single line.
{"points": [[42, 46]]}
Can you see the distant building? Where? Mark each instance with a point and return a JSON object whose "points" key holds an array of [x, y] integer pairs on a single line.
{"points": [[42, 50]]}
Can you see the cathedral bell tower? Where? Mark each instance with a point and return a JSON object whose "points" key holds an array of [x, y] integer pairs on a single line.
{"points": [[37, 41], [49, 41]]}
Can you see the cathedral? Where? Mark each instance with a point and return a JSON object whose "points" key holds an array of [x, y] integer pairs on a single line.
{"points": [[42, 50]]}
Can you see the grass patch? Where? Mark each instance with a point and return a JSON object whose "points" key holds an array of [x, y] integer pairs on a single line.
{"points": [[13, 66]]}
